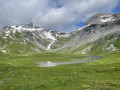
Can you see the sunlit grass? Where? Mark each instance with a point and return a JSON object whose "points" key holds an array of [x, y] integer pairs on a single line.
{"points": [[21, 73]]}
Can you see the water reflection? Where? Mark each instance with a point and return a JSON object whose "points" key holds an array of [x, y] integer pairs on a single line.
{"points": [[53, 64]]}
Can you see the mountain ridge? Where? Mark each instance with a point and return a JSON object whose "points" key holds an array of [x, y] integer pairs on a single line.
{"points": [[41, 40]]}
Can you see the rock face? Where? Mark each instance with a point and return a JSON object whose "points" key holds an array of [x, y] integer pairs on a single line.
{"points": [[29, 25], [100, 18], [100, 34], [96, 30], [38, 39]]}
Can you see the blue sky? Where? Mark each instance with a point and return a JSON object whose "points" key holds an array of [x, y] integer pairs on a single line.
{"points": [[60, 15], [117, 9]]}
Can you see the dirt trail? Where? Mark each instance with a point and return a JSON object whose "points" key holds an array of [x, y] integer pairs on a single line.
{"points": [[3, 82]]}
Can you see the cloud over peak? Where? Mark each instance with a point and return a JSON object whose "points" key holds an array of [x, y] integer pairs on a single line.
{"points": [[62, 15]]}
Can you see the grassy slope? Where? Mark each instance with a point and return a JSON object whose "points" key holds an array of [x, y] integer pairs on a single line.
{"points": [[101, 46], [18, 45], [19, 73]]}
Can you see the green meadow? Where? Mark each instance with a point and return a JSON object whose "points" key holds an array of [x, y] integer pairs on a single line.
{"points": [[22, 73]]}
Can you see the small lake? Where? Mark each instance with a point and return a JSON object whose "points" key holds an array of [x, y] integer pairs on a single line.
{"points": [[87, 59]]}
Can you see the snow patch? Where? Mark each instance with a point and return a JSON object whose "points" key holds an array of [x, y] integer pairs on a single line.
{"points": [[65, 36], [4, 51], [4, 37], [49, 46], [14, 31], [11, 37], [83, 27], [27, 39], [49, 35], [22, 28], [107, 18], [7, 33], [112, 48], [20, 51]]}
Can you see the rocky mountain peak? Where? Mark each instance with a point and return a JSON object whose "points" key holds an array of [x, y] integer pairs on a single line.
{"points": [[100, 18], [30, 25], [37, 39]]}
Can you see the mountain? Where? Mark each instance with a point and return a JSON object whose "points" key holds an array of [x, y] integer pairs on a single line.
{"points": [[100, 35], [27, 39]]}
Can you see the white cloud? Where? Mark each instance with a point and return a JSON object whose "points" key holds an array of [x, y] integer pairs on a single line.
{"points": [[61, 15]]}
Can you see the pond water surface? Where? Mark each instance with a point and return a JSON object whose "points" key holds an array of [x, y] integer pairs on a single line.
{"points": [[87, 59]]}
